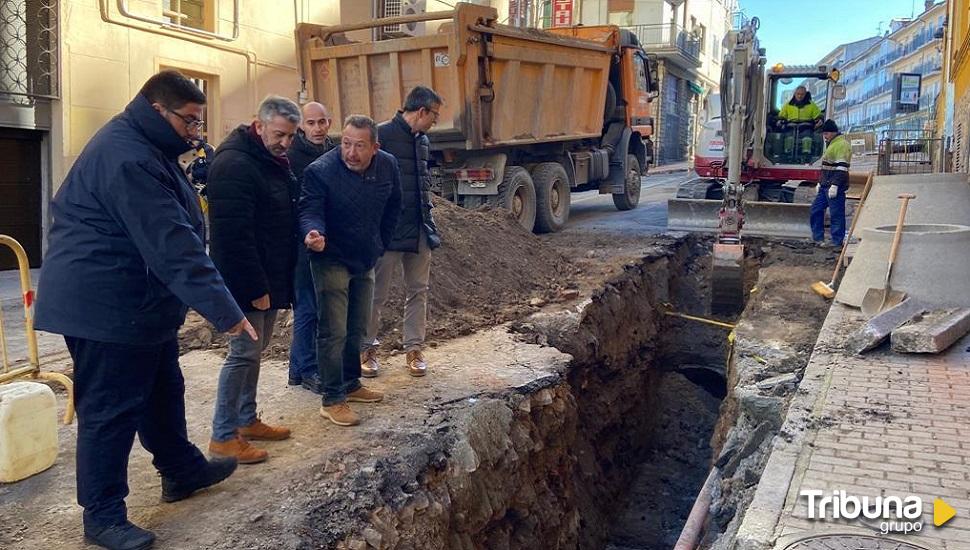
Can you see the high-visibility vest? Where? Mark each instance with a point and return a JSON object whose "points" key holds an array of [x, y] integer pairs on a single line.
{"points": [[805, 113]]}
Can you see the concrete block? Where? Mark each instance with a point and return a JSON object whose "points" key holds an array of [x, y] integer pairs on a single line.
{"points": [[932, 332], [881, 326]]}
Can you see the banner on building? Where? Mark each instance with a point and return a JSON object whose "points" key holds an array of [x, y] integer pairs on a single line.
{"points": [[908, 91], [562, 13]]}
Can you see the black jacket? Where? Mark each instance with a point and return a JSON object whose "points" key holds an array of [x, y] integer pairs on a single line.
{"points": [[252, 213], [303, 151], [127, 250], [412, 153], [356, 212]]}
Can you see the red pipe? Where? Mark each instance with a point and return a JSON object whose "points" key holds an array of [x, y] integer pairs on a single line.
{"points": [[690, 536]]}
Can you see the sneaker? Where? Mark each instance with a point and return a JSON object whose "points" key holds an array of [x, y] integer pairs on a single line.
{"points": [[123, 536], [364, 395], [340, 414], [238, 448], [823, 244], [259, 431], [215, 470], [416, 364], [312, 383], [369, 365]]}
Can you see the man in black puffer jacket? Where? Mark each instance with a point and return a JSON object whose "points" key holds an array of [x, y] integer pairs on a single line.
{"points": [[310, 143], [416, 234], [252, 214]]}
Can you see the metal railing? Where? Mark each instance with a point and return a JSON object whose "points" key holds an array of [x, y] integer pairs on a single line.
{"points": [[913, 152], [28, 50], [667, 36]]}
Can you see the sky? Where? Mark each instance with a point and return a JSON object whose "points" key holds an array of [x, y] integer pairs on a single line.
{"points": [[804, 31]]}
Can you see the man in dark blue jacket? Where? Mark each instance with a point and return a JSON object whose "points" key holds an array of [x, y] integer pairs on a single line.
{"points": [[348, 211], [126, 257]]}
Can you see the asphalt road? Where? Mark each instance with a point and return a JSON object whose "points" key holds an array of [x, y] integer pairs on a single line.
{"points": [[592, 211]]}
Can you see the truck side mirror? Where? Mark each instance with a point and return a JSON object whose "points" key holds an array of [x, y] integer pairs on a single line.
{"points": [[652, 72]]}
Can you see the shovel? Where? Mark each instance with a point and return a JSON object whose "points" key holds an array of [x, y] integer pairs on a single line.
{"points": [[878, 300]]}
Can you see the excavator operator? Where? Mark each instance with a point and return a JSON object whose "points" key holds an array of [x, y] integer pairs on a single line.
{"points": [[800, 109]]}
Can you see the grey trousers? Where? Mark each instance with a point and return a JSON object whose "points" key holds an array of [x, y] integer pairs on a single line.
{"points": [[417, 275], [236, 396]]}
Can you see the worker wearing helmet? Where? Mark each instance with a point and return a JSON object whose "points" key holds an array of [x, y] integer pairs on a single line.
{"points": [[800, 109], [832, 187]]}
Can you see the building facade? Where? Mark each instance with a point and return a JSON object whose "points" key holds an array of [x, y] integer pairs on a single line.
{"points": [[869, 68], [954, 110]]}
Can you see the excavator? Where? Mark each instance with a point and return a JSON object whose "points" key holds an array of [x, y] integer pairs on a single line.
{"points": [[750, 162]]}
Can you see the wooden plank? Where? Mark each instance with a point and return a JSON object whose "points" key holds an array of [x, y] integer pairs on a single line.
{"points": [[427, 76], [569, 116], [334, 79], [559, 56]]}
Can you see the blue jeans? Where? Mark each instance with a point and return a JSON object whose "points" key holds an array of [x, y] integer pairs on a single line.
{"points": [[836, 208], [303, 349], [121, 390], [344, 301], [236, 396]]}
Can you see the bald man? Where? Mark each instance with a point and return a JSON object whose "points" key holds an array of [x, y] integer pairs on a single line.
{"points": [[311, 141]]}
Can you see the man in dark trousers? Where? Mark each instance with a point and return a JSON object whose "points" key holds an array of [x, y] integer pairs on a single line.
{"points": [[252, 216], [350, 205], [126, 257], [310, 143], [416, 234]]}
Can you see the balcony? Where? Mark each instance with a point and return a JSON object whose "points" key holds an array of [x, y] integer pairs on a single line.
{"points": [[28, 50], [671, 42]]}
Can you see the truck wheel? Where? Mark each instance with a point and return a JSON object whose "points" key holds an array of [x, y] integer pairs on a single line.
{"points": [[518, 194], [630, 197], [552, 196]]}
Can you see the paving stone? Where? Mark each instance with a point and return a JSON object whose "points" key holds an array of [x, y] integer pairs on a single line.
{"points": [[881, 326], [932, 332]]}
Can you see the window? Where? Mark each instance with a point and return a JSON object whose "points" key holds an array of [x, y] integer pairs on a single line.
{"points": [[209, 84], [194, 14], [700, 31], [715, 48]]}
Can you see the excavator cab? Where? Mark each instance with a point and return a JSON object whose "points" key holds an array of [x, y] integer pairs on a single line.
{"points": [[790, 142]]}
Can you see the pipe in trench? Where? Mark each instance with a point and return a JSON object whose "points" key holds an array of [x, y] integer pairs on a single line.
{"points": [[690, 536]]}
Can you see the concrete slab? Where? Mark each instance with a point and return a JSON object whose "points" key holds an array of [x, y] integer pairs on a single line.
{"points": [[932, 265], [933, 332], [874, 332]]}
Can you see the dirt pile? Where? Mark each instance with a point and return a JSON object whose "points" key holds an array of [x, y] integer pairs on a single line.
{"points": [[488, 271]]}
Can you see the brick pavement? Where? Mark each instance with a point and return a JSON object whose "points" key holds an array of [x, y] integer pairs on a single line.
{"points": [[881, 424]]}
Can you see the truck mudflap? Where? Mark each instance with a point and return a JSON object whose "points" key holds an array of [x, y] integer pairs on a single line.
{"points": [[761, 219]]}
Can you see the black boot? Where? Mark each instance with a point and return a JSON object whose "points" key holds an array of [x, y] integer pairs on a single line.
{"points": [[216, 470], [313, 384], [123, 536]]}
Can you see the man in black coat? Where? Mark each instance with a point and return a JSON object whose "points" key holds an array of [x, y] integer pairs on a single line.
{"points": [[416, 234], [252, 215], [310, 143], [126, 257], [350, 205]]}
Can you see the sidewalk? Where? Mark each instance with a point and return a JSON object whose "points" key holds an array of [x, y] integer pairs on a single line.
{"points": [[882, 424]]}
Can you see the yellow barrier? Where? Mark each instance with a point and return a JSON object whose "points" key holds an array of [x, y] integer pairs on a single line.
{"points": [[32, 370]]}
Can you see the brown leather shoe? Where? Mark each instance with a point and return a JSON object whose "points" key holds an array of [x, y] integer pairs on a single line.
{"points": [[369, 365], [340, 414], [416, 363], [238, 448], [364, 395], [259, 431]]}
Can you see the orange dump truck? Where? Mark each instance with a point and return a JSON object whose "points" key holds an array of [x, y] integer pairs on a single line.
{"points": [[529, 115]]}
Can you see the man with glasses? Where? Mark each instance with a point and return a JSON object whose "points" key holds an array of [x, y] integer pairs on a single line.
{"points": [[126, 258], [350, 205], [416, 234], [310, 143]]}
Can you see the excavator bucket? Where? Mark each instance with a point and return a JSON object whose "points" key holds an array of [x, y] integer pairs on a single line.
{"points": [[761, 219], [727, 279]]}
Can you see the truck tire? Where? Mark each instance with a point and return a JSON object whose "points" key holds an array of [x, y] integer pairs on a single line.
{"points": [[630, 197], [552, 196], [517, 193]]}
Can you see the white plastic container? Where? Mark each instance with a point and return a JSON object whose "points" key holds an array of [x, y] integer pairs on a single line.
{"points": [[28, 430]]}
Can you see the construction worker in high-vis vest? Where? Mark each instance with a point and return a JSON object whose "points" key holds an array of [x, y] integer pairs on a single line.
{"points": [[832, 187]]}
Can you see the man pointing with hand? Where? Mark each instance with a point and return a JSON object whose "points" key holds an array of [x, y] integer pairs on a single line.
{"points": [[349, 208]]}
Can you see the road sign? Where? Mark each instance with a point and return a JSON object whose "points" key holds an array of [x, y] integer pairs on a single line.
{"points": [[908, 92]]}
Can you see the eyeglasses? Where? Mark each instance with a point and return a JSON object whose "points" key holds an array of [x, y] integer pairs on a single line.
{"points": [[435, 113], [190, 121]]}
